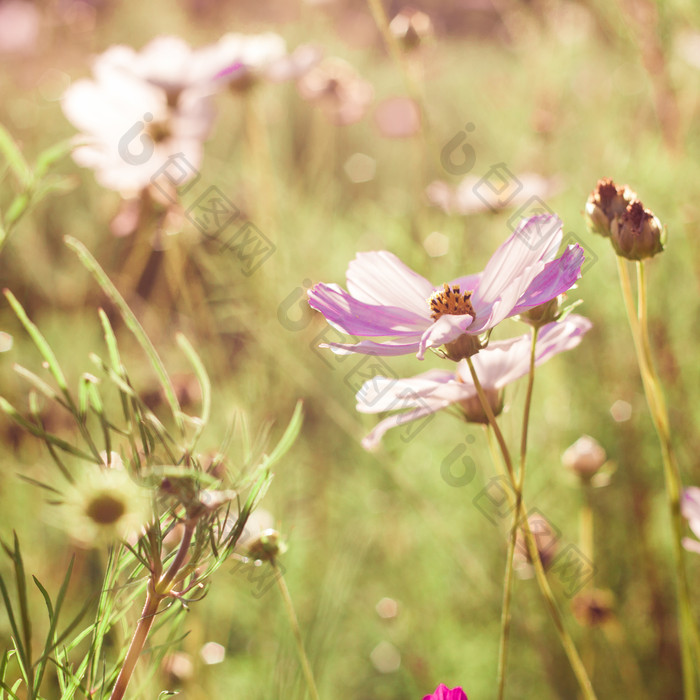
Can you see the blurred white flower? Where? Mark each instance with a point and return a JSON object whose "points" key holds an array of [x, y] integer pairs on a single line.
{"points": [[336, 87], [141, 111]]}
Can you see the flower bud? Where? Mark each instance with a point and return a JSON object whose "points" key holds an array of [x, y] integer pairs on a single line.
{"points": [[545, 539], [637, 234], [462, 347], [545, 313], [606, 203], [585, 457], [267, 546], [411, 27], [593, 608], [474, 411]]}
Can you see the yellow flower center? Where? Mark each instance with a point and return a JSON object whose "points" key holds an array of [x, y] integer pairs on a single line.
{"points": [[105, 509], [450, 301]]}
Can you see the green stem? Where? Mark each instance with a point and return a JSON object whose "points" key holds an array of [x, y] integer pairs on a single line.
{"points": [[564, 637], [137, 643], [659, 415], [157, 591], [294, 622], [510, 556]]}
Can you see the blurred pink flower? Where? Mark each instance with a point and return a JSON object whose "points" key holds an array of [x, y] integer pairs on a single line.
{"points": [[19, 26], [499, 364], [141, 110], [442, 692], [386, 299], [690, 507]]}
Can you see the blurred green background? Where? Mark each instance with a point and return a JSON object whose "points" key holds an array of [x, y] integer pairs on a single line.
{"points": [[572, 90]]}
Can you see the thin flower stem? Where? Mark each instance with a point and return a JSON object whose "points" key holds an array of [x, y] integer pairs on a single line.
{"points": [[587, 548], [137, 643], [294, 622], [510, 556], [564, 637], [659, 415], [158, 589]]}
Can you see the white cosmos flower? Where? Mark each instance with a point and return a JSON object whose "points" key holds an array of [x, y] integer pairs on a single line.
{"points": [[141, 110]]}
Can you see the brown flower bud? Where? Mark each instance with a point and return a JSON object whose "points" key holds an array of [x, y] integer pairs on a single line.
{"points": [[474, 411], [585, 457], [606, 203], [545, 537], [637, 234]]}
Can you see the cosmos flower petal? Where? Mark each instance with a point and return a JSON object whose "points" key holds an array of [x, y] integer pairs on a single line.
{"points": [[373, 438], [499, 364], [359, 318], [379, 277], [442, 692], [381, 394], [690, 508], [369, 347], [688, 543], [518, 261], [557, 277], [446, 329]]}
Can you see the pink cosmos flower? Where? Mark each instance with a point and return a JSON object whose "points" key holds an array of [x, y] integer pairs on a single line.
{"points": [[499, 364], [442, 692], [386, 299], [690, 507]]}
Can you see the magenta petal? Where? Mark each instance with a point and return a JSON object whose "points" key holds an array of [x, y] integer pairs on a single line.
{"points": [[446, 329], [442, 692], [557, 277], [358, 318]]}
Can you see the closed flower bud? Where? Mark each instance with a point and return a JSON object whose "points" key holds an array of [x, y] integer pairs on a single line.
{"points": [[593, 608], [474, 411], [267, 546], [637, 234], [545, 539], [606, 203], [585, 457], [411, 27], [544, 313]]}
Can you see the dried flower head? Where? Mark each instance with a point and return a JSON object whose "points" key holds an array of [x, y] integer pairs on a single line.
{"points": [[637, 234], [605, 204], [617, 213], [585, 457]]}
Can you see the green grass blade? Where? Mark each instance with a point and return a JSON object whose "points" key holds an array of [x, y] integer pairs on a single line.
{"points": [[204, 383], [132, 324], [40, 342], [13, 155]]}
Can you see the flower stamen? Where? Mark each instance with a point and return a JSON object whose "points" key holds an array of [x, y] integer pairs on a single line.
{"points": [[450, 301]]}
